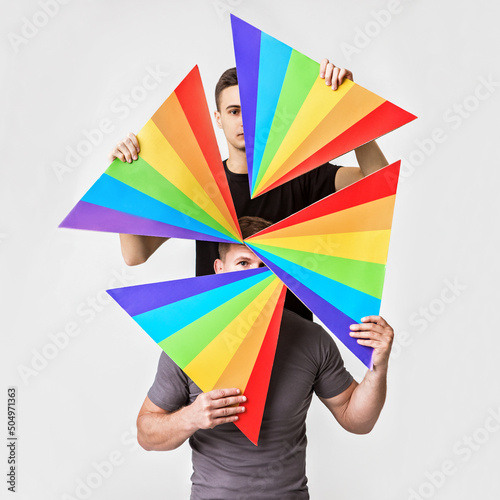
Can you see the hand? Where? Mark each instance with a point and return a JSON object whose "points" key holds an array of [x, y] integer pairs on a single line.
{"points": [[333, 75], [374, 331], [126, 150], [216, 407]]}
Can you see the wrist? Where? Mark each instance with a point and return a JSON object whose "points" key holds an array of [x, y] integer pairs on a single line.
{"points": [[188, 419], [379, 370]]}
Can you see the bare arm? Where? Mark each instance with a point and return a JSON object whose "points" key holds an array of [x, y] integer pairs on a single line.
{"points": [[159, 430], [135, 249], [357, 409], [369, 156]]}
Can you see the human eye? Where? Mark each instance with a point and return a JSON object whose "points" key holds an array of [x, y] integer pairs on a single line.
{"points": [[242, 263]]}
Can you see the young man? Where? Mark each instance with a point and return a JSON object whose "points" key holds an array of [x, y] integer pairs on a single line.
{"points": [[226, 464], [274, 205]]}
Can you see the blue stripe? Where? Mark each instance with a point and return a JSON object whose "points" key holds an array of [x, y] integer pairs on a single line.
{"points": [[164, 321], [352, 302], [274, 59], [111, 193]]}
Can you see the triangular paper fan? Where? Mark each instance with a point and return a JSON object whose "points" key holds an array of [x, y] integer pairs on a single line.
{"points": [[176, 188], [221, 330], [292, 121], [332, 255]]}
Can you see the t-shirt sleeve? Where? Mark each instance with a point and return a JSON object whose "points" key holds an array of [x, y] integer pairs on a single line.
{"points": [[170, 390], [320, 182], [332, 378]]}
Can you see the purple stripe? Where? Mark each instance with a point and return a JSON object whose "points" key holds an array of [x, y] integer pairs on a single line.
{"points": [[142, 298], [246, 40], [96, 218]]}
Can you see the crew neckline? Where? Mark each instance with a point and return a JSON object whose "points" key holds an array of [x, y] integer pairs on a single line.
{"points": [[234, 175]]}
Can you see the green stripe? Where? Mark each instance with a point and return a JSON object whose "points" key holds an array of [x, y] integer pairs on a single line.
{"points": [[367, 277], [142, 176], [300, 76], [184, 345]]}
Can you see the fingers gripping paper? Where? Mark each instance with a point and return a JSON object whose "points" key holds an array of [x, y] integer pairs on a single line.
{"points": [[333, 254], [292, 121], [221, 330], [176, 188]]}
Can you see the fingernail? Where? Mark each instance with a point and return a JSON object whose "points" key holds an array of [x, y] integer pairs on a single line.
{"points": [[244, 398]]}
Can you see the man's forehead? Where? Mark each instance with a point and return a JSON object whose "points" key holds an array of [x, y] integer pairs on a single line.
{"points": [[237, 251], [231, 93]]}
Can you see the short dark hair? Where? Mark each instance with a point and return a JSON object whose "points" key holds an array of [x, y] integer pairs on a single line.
{"points": [[249, 226], [228, 79]]}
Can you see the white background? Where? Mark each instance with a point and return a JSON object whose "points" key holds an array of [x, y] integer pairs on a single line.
{"points": [[78, 409]]}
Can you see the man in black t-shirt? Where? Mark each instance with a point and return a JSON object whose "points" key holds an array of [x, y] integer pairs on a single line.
{"points": [[274, 205]]}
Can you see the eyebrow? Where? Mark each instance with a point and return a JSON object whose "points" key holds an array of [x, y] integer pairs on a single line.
{"points": [[242, 257], [233, 106]]}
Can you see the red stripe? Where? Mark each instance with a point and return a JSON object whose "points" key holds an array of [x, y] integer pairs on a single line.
{"points": [[380, 121], [258, 384], [193, 101], [380, 184]]}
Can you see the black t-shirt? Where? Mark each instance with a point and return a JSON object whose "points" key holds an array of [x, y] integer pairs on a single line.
{"points": [[273, 206]]}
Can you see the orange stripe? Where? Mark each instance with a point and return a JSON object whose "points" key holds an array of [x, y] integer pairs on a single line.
{"points": [[239, 369], [372, 216]]}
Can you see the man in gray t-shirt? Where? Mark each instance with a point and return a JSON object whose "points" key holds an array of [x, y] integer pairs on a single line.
{"points": [[226, 464]]}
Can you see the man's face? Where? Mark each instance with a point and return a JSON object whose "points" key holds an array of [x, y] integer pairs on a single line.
{"points": [[229, 117], [238, 257]]}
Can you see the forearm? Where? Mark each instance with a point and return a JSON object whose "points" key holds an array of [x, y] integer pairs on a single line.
{"points": [[370, 158], [366, 402], [137, 249], [162, 432]]}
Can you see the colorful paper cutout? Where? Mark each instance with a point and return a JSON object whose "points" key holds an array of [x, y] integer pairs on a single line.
{"points": [[332, 255], [221, 330], [176, 188], [292, 121]]}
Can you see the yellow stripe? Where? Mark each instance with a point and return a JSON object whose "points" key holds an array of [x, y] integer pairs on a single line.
{"points": [[206, 368], [239, 369], [318, 103], [159, 153], [367, 246]]}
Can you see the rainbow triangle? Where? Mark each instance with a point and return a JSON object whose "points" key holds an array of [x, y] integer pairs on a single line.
{"points": [[176, 188], [221, 330], [292, 121], [333, 254]]}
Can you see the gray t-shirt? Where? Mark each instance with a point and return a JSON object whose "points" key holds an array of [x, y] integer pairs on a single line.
{"points": [[226, 464]]}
